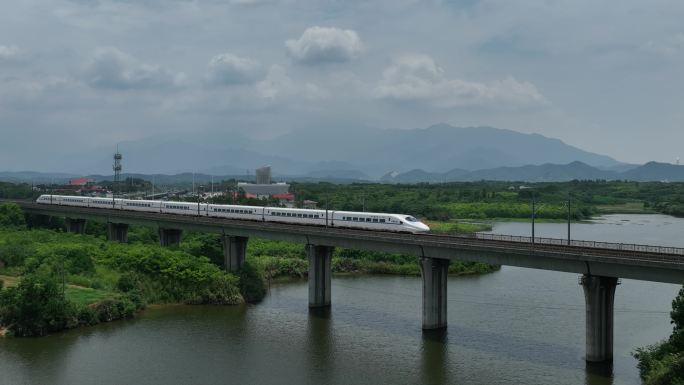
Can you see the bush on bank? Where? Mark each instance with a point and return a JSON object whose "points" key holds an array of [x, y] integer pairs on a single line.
{"points": [[663, 363]]}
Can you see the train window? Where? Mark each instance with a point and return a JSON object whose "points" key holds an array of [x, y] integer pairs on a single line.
{"points": [[382, 220], [411, 219], [375, 220], [368, 219]]}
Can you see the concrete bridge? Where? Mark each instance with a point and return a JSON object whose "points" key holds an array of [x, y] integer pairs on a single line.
{"points": [[601, 264]]}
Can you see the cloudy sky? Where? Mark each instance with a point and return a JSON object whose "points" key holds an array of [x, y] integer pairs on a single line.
{"points": [[81, 74]]}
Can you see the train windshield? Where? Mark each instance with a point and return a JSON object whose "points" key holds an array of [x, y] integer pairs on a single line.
{"points": [[411, 219]]}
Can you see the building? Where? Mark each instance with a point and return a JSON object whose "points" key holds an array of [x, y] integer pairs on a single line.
{"points": [[263, 175], [264, 190], [81, 181], [287, 199]]}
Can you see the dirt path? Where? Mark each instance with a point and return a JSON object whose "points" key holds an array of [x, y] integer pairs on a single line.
{"points": [[9, 280]]}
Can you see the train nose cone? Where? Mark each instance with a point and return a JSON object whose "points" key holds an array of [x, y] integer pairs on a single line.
{"points": [[423, 227]]}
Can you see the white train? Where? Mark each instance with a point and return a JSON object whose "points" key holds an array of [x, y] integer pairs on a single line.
{"points": [[348, 219]]}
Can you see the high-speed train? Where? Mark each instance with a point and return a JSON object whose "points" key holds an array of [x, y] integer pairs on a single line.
{"points": [[349, 219]]}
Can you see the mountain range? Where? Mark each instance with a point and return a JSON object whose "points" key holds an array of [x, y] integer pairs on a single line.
{"points": [[349, 150], [434, 154], [652, 171]]}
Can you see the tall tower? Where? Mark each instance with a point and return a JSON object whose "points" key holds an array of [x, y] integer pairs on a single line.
{"points": [[117, 170]]}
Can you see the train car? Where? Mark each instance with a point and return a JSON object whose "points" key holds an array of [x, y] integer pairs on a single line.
{"points": [[47, 199], [252, 213], [106, 203], [141, 205], [299, 216], [345, 219], [73, 201], [184, 208], [378, 221]]}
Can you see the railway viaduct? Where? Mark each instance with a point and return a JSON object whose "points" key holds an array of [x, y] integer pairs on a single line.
{"points": [[600, 264]]}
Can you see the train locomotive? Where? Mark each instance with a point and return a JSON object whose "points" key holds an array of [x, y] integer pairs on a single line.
{"points": [[331, 218]]}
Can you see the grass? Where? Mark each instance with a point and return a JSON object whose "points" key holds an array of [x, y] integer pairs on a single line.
{"points": [[454, 226], [76, 294], [86, 295]]}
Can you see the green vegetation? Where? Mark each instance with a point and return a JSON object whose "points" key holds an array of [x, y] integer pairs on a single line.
{"points": [[494, 200], [454, 226], [663, 363], [57, 280]]}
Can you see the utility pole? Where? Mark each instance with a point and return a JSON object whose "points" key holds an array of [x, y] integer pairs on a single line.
{"points": [[327, 198], [568, 219], [364, 201], [198, 200], [533, 212]]}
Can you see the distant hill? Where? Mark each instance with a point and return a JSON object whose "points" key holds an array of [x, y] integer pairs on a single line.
{"points": [[655, 171], [35, 177], [651, 171], [326, 150]]}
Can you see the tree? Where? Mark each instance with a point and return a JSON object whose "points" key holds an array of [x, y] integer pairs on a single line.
{"points": [[36, 307], [663, 363], [11, 216]]}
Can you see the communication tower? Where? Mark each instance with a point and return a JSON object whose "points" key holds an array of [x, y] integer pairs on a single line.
{"points": [[117, 169], [677, 161]]}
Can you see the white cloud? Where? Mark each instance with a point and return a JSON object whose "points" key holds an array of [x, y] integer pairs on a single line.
{"points": [[231, 69], [666, 47], [111, 68], [417, 78], [9, 53], [278, 85], [323, 45]]}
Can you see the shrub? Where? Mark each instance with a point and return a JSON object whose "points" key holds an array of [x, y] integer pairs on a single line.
{"points": [[252, 283], [36, 307], [11, 216], [14, 251], [87, 316]]}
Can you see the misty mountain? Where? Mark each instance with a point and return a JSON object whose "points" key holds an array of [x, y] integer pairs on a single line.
{"points": [[372, 152], [655, 171], [35, 177], [651, 171]]}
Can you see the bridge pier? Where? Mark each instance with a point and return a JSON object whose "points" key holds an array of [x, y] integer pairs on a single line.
{"points": [[599, 294], [320, 258], [170, 237], [434, 272], [234, 251], [75, 225], [117, 232]]}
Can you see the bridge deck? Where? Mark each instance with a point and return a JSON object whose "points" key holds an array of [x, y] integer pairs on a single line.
{"points": [[653, 263]]}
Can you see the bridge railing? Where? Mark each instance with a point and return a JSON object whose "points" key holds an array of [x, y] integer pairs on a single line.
{"points": [[628, 247]]}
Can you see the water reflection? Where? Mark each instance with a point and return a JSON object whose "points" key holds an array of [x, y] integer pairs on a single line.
{"points": [[599, 373], [434, 357], [321, 344]]}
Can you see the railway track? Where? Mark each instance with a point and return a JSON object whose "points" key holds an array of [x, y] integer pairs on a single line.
{"points": [[478, 241]]}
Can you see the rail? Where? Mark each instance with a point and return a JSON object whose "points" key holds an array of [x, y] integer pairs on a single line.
{"points": [[611, 249], [629, 247]]}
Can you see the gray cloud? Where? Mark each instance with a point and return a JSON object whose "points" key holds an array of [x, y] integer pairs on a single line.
{"points": [[323, 45], [9, 53], [417, 78], [230, 69], [111, 68]]}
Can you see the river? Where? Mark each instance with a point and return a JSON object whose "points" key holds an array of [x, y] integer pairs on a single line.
{"points": [[514, 326]]}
